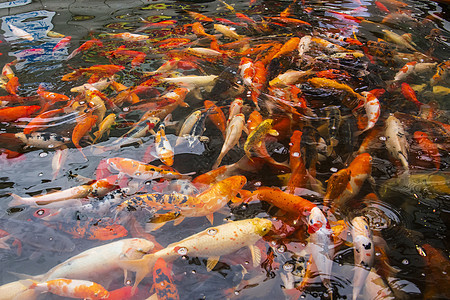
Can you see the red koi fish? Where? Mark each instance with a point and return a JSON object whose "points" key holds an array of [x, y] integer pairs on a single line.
{"points": [[163, 284], [12, 85], [85, 46], [11, 114], [428, 147], [410, 95], [62, 43]]}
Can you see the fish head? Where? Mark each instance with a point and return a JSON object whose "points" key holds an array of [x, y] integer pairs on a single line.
{"points": [[317, 221], [360, 227], [235, 183], [99, 292], [136, 248], [261, 226]]}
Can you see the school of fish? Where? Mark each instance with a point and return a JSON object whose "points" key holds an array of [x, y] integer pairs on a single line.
{"points": [[277, 142]]}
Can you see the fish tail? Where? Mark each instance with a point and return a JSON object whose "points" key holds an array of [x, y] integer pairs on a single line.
{"points": [[142, 267], [26, 277], [28, 283], [16, 201], [218, 161]]}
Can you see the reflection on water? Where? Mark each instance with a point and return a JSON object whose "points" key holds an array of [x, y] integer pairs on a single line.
{"points": [[364, 45]]}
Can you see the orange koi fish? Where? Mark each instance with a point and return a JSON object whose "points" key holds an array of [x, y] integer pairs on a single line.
{"points": [[130, 37], [288, 47], [99, 70], [437, 264], [40, 120], [381, 6], [85, 46], [140, 170], [344, 16], [288, 21], [337, 183], [360, 170], [69, 288], [298, 171], [124, 293], [287, 202], [216, 116], [12, 85], [199, 17], [103, 230], [50, 96], [163, 284], [11, 114], [410, 95], [428, 147], [258, 82], [81, 129]]}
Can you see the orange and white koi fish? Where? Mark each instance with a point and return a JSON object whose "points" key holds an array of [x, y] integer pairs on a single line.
{"points": [[227, 31], [53, 199], [372, 108], [363, 251], [290, 77], [130, 37], [69, 288], [360, 170], [140, 170], [235, 108], [232, 136], [212, 243], [396, 142], [247, 70], [164, 149]]}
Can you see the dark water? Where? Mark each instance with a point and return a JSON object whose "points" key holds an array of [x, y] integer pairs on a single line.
{"points": [[405, 219]]}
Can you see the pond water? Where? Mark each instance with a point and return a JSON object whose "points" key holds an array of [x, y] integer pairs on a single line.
{"points": [[318, 120]]}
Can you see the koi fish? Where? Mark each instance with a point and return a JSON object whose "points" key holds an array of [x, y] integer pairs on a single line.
{"points": [[69, 288], [400, 40], [104, 126], [372, 108], [97, 262], [256, 136], [11, 114], [85, 46], [396, 142], [363, 251], [232, 136], [226, 31], [62, 43], [428, 147], [329, 83], [163, 283], [50, 96], [216, 116], [247, 70], [235, 108], [163, 148], [212, 242], [337, 183], [130, 37], [42, 140], [410, 95], [290, 77], [140, 170], [360, 170], [81, 129], [298, 177], [12, 86], [20, 33], [52, 199], [321, 245]]}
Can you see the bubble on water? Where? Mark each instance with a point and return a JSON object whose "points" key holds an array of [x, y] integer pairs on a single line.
{"points": [[423, 274], [258, 183], [295, 154], [288, 267], [236, 293], [41, 174], [43, 154], [382, 138], [51, 146], [126, 109], [334, 170], [405, 261], [193, 271], [212, 231], [443, 272], [182, 251]]}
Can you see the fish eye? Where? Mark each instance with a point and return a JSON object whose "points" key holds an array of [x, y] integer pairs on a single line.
{"points": [[41, 213], [264, 229], [182, 251]]}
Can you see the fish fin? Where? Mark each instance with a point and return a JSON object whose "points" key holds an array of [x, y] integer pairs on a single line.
{"points": [[236, 201], [273, 132], [149, 227], [16, 201], [184, 104], [4, 245], [22, 276], [256, 255], [178, 221], [212, 262], [153, 297], [142, 267], [28, 283], [245, 130], [210, 218], [245, 195]]}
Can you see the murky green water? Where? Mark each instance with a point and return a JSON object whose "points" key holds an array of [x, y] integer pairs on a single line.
{"points": [[405, 218]]}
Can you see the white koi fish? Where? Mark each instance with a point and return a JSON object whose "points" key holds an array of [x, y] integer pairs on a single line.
{"points": [[396, 142], [232, 136]]}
